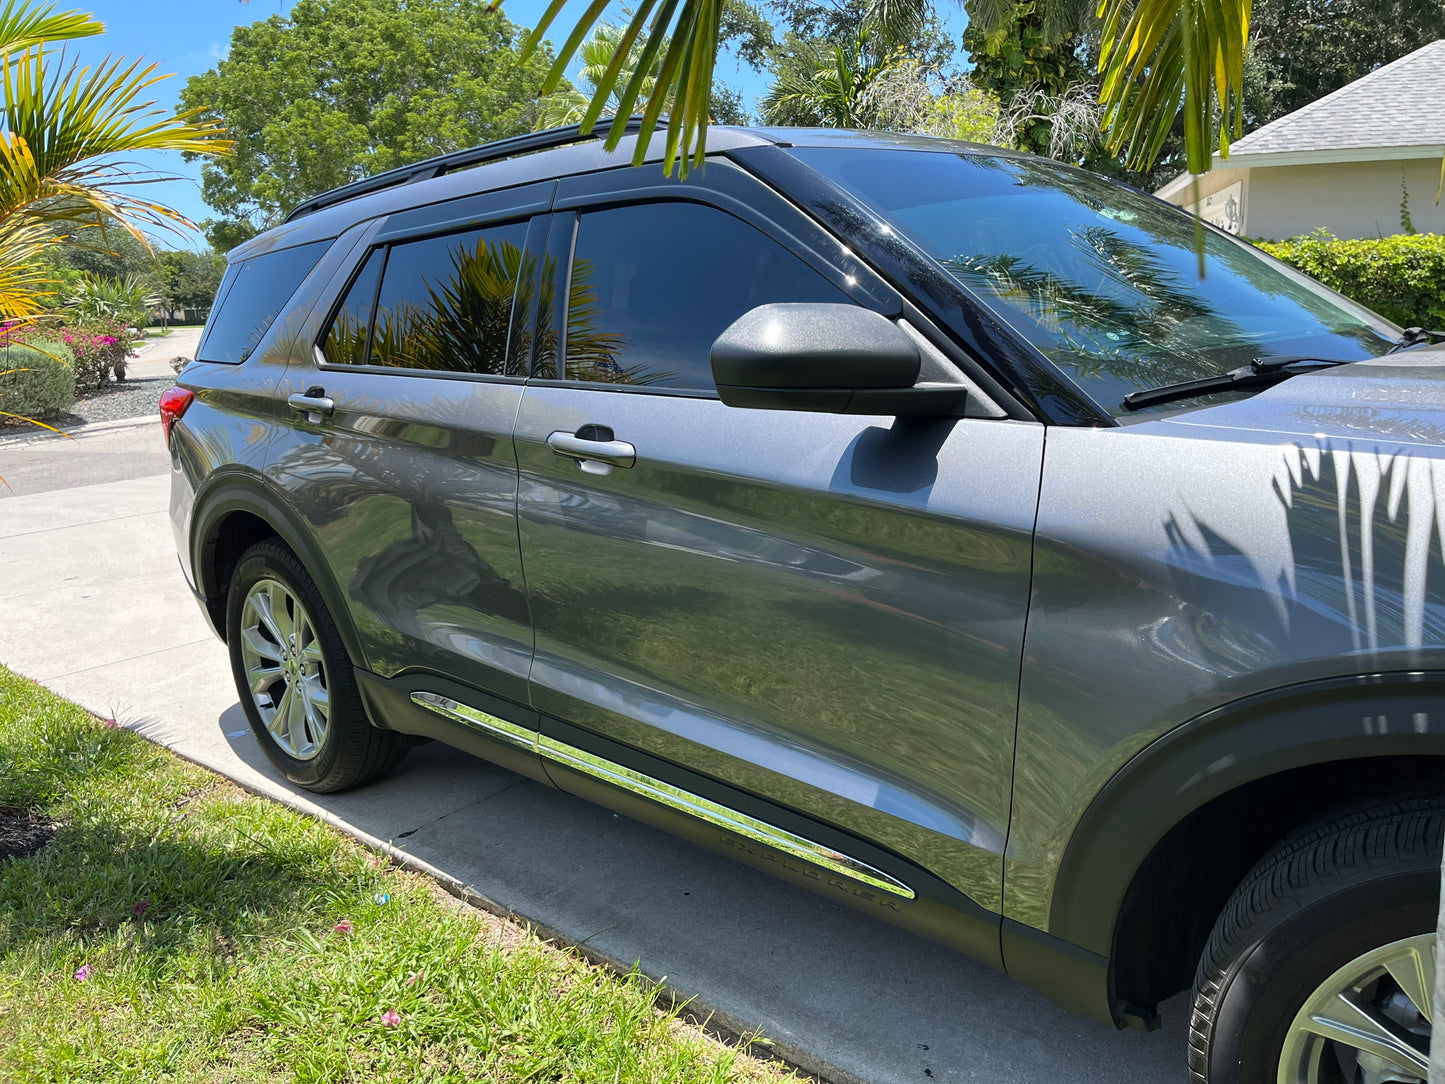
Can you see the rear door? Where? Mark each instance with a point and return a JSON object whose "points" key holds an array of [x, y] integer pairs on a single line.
{"points": [[406, 473], [820, 610]]}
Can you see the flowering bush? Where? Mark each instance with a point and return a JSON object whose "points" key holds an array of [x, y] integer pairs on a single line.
{"points": [[100, 346]]}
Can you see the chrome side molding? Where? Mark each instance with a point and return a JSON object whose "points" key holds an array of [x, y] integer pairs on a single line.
{"points": [[656, 790]]}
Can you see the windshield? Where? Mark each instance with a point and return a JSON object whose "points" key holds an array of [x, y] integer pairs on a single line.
{"points": [[1102, 279]]}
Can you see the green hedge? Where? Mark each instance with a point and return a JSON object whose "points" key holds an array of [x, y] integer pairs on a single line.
{"points": [[35, 385], [1402, 278]]}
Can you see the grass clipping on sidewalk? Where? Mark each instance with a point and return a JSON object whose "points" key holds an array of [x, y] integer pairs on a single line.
{"points": [[177, 929]]}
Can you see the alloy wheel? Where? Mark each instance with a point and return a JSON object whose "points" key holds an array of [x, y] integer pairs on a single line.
{"points": [[285, 670], [1369, 1022]]}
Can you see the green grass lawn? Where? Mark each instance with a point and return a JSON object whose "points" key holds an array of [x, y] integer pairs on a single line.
{"points": [[177, 929]]}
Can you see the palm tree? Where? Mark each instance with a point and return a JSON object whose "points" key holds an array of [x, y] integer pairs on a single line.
{"points": [[61, 131], [1156, 56], [819, 85], [570, 106]]}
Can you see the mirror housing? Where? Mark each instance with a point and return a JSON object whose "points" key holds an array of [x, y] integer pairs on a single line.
{"points": [[829, 358]]}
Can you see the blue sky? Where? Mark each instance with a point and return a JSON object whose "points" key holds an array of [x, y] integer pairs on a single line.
{"points": [[187, 37]]}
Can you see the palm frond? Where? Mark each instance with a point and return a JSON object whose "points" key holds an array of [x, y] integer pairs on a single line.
{"points": [[62, 133], [680, 39], [25, 27], [1159, 55]]}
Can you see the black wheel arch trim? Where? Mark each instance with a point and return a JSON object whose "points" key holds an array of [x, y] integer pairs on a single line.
{"points": [[1297, 726], [226, 492]]}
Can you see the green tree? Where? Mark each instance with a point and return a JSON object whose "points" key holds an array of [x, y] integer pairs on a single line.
{"points": [[189, 280], [116, 256], [1029, 57], [818, 84], [340, 89], [1309, 48]]}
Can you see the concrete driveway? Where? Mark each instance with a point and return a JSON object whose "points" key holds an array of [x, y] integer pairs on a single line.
{"points": [[95, 607]]}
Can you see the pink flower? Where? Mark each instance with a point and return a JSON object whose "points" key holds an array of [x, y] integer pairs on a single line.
{"points": [[344, 926], [140, 908], [390, 1018], [413, 977], [109, 724], [83, 972]]}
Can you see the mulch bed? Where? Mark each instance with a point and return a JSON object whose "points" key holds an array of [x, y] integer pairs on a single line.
{"points": [[22, 833]]}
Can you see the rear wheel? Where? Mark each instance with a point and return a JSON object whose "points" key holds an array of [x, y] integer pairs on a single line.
{"points": [[295, 679], [1322, 968]]}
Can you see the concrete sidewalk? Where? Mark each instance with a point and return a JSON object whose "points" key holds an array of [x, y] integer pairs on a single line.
{"points": [[95, 607]]}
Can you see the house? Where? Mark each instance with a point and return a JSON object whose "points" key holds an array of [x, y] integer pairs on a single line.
{"points": [[1343, 162]]}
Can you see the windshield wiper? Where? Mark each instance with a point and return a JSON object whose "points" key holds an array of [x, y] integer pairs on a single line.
{"points": [[1261, 371], [1415, 336]]}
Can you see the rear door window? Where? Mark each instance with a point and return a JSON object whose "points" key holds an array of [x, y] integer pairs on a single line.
{"points": [[443, 304], [259, 288]]}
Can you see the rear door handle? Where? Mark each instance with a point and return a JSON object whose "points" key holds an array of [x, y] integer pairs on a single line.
{"points": [[571, 446], [312, 401]]}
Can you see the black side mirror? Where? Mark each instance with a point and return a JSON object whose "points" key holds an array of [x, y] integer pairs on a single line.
{"points": [[830, 358]]}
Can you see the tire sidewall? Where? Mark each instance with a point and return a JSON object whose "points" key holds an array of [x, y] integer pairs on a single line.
{"points": [[267, 561], [1270, 981]]}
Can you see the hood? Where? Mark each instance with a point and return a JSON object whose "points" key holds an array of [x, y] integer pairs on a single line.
{"points": [[1399, 399]]}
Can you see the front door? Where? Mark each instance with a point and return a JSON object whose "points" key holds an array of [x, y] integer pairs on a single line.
{"points": [[824, 611]]}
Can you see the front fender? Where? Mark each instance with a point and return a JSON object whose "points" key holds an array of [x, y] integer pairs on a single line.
{"points": [[1340, 719]]}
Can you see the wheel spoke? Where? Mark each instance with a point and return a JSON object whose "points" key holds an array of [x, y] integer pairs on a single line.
{"points": [[1347, 1019], [253, 638], [280, 604], [318, 697], [296, 722], [315, 720], [1414, 970], [263, 677], [277, 724]]}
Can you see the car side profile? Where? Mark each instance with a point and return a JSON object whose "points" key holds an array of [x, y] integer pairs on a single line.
{"points": [[929, 524]]}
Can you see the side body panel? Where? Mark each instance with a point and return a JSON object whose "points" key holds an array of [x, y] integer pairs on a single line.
{"points": [[1183, 570], [820, 610]]}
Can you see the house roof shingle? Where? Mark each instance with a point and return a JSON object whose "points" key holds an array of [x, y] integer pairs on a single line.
{"points": [[1398, 105]]}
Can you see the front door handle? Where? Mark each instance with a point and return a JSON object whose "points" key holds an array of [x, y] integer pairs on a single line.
{"points": [[573, 446], [313, 402]]}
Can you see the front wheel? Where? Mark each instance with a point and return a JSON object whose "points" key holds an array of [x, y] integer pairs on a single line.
{"points": [[295, 679], [1322, 968]]}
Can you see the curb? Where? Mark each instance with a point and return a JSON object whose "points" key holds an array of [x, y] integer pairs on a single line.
{"points": [[694, 1008], [72, 431]]}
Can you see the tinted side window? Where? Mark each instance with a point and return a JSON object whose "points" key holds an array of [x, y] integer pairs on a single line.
{"points": [[259, 288], [346, 341], [653, 285], [446, 302]]}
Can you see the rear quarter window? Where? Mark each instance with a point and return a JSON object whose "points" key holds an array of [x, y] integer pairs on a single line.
{"points": [[250, 299]]}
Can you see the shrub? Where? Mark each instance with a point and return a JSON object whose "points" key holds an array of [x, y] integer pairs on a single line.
{"points": [[1402, 277], [101, 348], [34, 385]]}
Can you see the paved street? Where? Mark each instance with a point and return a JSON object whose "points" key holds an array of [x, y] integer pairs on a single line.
{"points": [[95, 607]]}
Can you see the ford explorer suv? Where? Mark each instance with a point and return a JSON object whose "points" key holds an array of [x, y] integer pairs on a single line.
{"points": [[936, 526]]}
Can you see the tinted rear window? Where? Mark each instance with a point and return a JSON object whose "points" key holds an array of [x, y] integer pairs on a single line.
{"points": [[257, 290]]}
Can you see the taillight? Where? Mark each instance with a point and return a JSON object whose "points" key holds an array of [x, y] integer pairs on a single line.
{"points": [[174, 402]]}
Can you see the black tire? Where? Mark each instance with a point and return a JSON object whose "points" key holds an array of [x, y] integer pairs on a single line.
{"points": [[352, 751], [1332, 892]]}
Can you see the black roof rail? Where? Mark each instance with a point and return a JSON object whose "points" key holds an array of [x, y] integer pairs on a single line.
{"points": [[472, 156]]}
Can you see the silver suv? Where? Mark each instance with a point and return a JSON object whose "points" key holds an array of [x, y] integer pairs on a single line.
{"points": [[926, 523]]}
